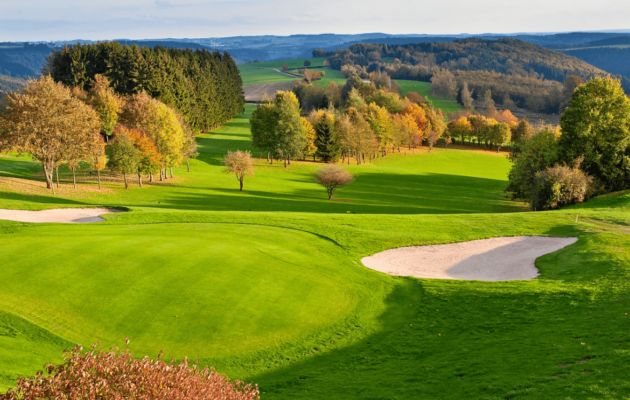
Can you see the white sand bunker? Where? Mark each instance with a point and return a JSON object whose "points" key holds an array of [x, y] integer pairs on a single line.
{"points": [[63, 215], [497, 259]]}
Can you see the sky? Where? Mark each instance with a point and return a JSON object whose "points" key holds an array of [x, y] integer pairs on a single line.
{"points": [[46, 20]]}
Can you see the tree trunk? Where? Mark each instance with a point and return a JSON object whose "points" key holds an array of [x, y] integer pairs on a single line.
{"points": [[313, 157], [125, 177], [150, 176], [188, 165], [98, 173], [285, 163], [498, 148], [48, 180], [289, 159], [171, 172], [241, 181], [139, 180], [74, 179], [268, 156], [57, 169], [160, 174]]}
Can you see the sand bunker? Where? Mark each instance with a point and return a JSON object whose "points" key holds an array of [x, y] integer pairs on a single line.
{"points": [[497, 259], [63, 215]]}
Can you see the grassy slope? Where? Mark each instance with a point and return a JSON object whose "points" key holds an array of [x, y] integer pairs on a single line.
{"points": [[399, 184], [405, 338], [254, 76], [424, 89], [297, 63]]}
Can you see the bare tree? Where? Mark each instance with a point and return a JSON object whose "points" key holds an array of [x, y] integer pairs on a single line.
{"points": [[332, 177], [239, 163]]}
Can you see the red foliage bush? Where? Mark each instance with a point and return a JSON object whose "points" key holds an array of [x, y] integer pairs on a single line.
{"points": [[110, 376]]}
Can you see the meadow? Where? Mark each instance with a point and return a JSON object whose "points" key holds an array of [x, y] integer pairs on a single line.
{"points": [[267, 285], [424, 89]]}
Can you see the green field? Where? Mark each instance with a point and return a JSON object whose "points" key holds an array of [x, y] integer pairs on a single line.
{"points": [[297, 63], [255, 75], [267, 285], [424, 89]]}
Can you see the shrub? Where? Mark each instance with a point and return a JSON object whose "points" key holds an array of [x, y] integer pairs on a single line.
{"points": [[561, 186], [332, 177], [538, 154], [111, 376], [307, 63]]}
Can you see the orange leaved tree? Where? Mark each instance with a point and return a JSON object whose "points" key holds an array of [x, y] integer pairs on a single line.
{"points": [[110, 375]]}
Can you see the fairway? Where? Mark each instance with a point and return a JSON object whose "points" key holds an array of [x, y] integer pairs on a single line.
{"points": [[396, 184], [267, 284]]}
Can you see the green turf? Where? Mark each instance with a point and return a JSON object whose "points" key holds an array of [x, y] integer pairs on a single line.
{"points": [[278, 296], [424, 89]]}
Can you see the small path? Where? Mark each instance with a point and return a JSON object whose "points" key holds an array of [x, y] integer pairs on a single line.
{"points": [[58, 215], [497, 259]]}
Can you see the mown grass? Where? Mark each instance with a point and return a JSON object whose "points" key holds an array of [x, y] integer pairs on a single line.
{"points": [[277, 295]]}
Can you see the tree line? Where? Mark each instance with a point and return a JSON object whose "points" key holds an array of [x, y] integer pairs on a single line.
{"points": [[58, 125], [368, 123], [204, 87], [589, 155]]}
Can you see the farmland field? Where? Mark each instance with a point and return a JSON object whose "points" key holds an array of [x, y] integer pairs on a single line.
{"points": [[267, 285]]}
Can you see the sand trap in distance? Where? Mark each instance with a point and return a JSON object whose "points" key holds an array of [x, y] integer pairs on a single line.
{"points": [[61, 215], [497, 259]]}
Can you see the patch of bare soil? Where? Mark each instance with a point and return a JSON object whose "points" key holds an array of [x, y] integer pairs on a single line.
{"points": [[257, 92]]}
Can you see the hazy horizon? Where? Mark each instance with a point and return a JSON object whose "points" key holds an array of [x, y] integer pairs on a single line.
{"points": [[37, 20]]}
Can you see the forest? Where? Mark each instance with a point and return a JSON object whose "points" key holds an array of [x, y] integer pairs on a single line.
{"points": [[523, 74], [205, 87]]}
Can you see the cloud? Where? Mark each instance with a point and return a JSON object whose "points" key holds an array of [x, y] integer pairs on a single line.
{"points": [[143, 19]]}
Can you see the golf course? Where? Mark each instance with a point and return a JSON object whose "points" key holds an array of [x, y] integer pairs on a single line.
{"points": [[267, 284]]}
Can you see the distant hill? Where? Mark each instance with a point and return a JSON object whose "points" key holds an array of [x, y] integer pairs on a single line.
{"points": [[11, 84], [517, 73], [610, 59], [22, 60]]}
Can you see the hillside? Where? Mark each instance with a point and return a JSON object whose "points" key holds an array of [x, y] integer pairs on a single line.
{"points": [[518, 74], [10, 84]]}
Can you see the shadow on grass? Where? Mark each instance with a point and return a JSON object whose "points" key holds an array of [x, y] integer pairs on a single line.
{"points": [[38, 199], [377, 193], [469, 339]]}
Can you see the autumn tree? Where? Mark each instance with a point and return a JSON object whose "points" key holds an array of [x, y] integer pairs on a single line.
{"points": [[416, 98], [240, 164], [487, 102], [460, 128], [148, 155], [381, 124], [105, 103], [332, 178], [285, 67], [50, 124], [310, 136], [523, 132], [123, 155], [500, 135], [360, 135], [596, 126], [466, 96]]}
